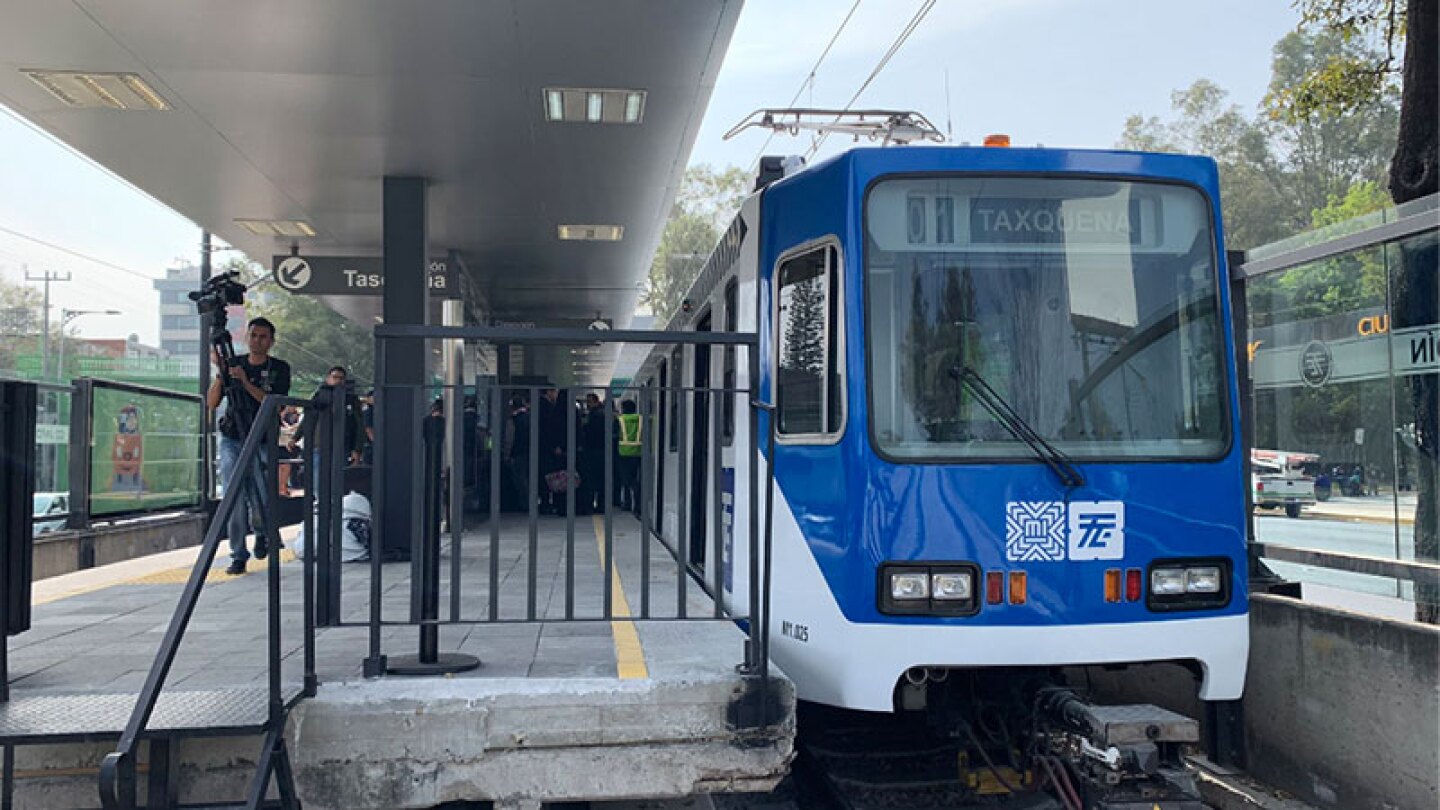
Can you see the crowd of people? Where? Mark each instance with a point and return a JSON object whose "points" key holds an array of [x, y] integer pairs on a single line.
{"points": [[548, 421], [259, 375]]}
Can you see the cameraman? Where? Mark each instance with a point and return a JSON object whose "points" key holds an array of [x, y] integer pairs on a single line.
{"points": [[258, 374]]}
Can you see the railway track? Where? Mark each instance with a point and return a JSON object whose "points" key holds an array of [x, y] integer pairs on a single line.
{"points": [[857, 761], [852, 761]]}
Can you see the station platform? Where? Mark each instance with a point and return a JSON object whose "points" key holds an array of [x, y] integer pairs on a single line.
{"points": [[583, 710]]}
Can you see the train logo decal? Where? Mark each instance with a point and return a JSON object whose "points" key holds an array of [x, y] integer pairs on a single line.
{"points": [[1097, 530], [1046, 531], [1034, 531]]}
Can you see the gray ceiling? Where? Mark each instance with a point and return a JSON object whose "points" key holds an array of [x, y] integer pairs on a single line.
{"points": [[298, 108]]}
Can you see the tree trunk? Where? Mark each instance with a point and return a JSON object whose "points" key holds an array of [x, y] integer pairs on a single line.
{"points": [[1413, 174]]}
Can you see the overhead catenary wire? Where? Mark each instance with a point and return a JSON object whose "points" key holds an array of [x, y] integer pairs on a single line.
{"points": [[809, 80], [925, 7], [76, 254]]}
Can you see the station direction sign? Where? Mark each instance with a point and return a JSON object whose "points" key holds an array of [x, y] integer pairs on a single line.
{"points": [[352, 275]]}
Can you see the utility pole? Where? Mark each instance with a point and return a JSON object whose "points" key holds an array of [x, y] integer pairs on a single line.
{"points": [[46, 278]]}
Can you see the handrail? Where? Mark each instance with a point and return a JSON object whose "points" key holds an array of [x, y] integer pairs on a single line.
{"points": [[1419, 572], [146, 390], [117, 770]]}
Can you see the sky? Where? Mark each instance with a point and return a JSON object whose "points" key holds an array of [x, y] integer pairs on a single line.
{"points": [[1051, 72]]}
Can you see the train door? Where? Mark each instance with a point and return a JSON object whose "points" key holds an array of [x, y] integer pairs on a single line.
{"points": [[700, 443]]}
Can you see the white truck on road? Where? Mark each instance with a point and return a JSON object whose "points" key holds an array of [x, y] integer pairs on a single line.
{"points": [[1278, 480]]}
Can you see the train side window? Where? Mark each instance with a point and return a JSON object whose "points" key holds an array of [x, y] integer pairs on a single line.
{"points": [[808, 393], [675, 397], [727, 400]]}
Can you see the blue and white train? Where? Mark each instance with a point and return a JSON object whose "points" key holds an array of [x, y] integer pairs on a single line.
{"points": [[1007, 419]]}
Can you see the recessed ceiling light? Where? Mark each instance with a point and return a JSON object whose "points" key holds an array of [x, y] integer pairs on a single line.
{"points": [[594, 105], [634, 107], [107, 91], [591, 233], [277, 227]]}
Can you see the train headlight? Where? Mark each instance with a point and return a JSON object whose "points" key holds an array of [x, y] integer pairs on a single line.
{"points": [[1205, 579], [1189, 584], [934, 589], [1167, 581], [952, 586], [909, 586]]}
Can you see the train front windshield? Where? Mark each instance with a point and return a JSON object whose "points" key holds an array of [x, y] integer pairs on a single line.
{"points": [[1090, 306]]}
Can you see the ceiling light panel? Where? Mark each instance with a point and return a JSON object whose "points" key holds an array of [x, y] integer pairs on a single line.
{"points": [[591, 233], [594, 105], [104, 91], [293, 228]]}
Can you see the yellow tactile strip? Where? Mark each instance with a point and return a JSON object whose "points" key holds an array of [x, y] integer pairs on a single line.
{"points": [[179, 576], [629, 654]]}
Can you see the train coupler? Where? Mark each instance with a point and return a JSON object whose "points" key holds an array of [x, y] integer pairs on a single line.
{"points": [[1125, 757]]}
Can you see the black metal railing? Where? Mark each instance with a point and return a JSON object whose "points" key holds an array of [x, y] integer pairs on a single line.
{"points": [[537, 466], [118, 770]]}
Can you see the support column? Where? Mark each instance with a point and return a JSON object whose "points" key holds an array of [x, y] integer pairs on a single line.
{"points": [[404, 370]]}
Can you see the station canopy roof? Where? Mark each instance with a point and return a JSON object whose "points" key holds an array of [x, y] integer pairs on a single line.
{"points": [[294, 110]]}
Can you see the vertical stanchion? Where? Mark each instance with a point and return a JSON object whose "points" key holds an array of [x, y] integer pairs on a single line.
{"points": [[611, 503], [565, 402], [457, 493], [534, 488], [683, 475], [496, 427], [429, 660], [431, 467], [333, 503]]}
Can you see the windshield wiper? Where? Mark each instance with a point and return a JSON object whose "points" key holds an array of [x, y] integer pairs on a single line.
{"points": [[1058, 462]]}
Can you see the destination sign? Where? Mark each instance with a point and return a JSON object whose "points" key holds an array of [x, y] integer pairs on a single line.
{"points": [[1012, 220], [352, 275]]}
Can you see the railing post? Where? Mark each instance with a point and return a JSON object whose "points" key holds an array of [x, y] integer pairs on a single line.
{"points": [[497, 435], [374, 664], [82, 400], [268, 458], [683, 477], [752, 657], [649, 439], [566, 403]]}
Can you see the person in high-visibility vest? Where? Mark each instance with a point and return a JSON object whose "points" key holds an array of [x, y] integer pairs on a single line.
{"points": [[629, 457]]}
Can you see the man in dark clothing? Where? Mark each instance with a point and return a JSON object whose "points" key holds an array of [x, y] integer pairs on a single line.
{"points": [[354, 427], [590, 465], [517, 454], [553, 438], [259, 375]]}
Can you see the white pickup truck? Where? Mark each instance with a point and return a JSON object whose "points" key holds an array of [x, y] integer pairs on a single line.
{"points": [[1276, 480]]}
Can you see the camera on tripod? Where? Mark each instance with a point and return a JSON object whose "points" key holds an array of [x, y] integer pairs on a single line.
{"points": [[217, 293]]}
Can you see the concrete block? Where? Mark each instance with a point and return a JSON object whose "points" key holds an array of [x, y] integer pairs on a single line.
{"points": [[1343, 709]]}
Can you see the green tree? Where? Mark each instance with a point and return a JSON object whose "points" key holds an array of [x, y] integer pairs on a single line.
{"points": [[311, 337], [1274, 171], [19, 322], [704, 205]]}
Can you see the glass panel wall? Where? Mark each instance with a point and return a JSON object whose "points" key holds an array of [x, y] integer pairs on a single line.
{"points": [[1344, 369]]}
